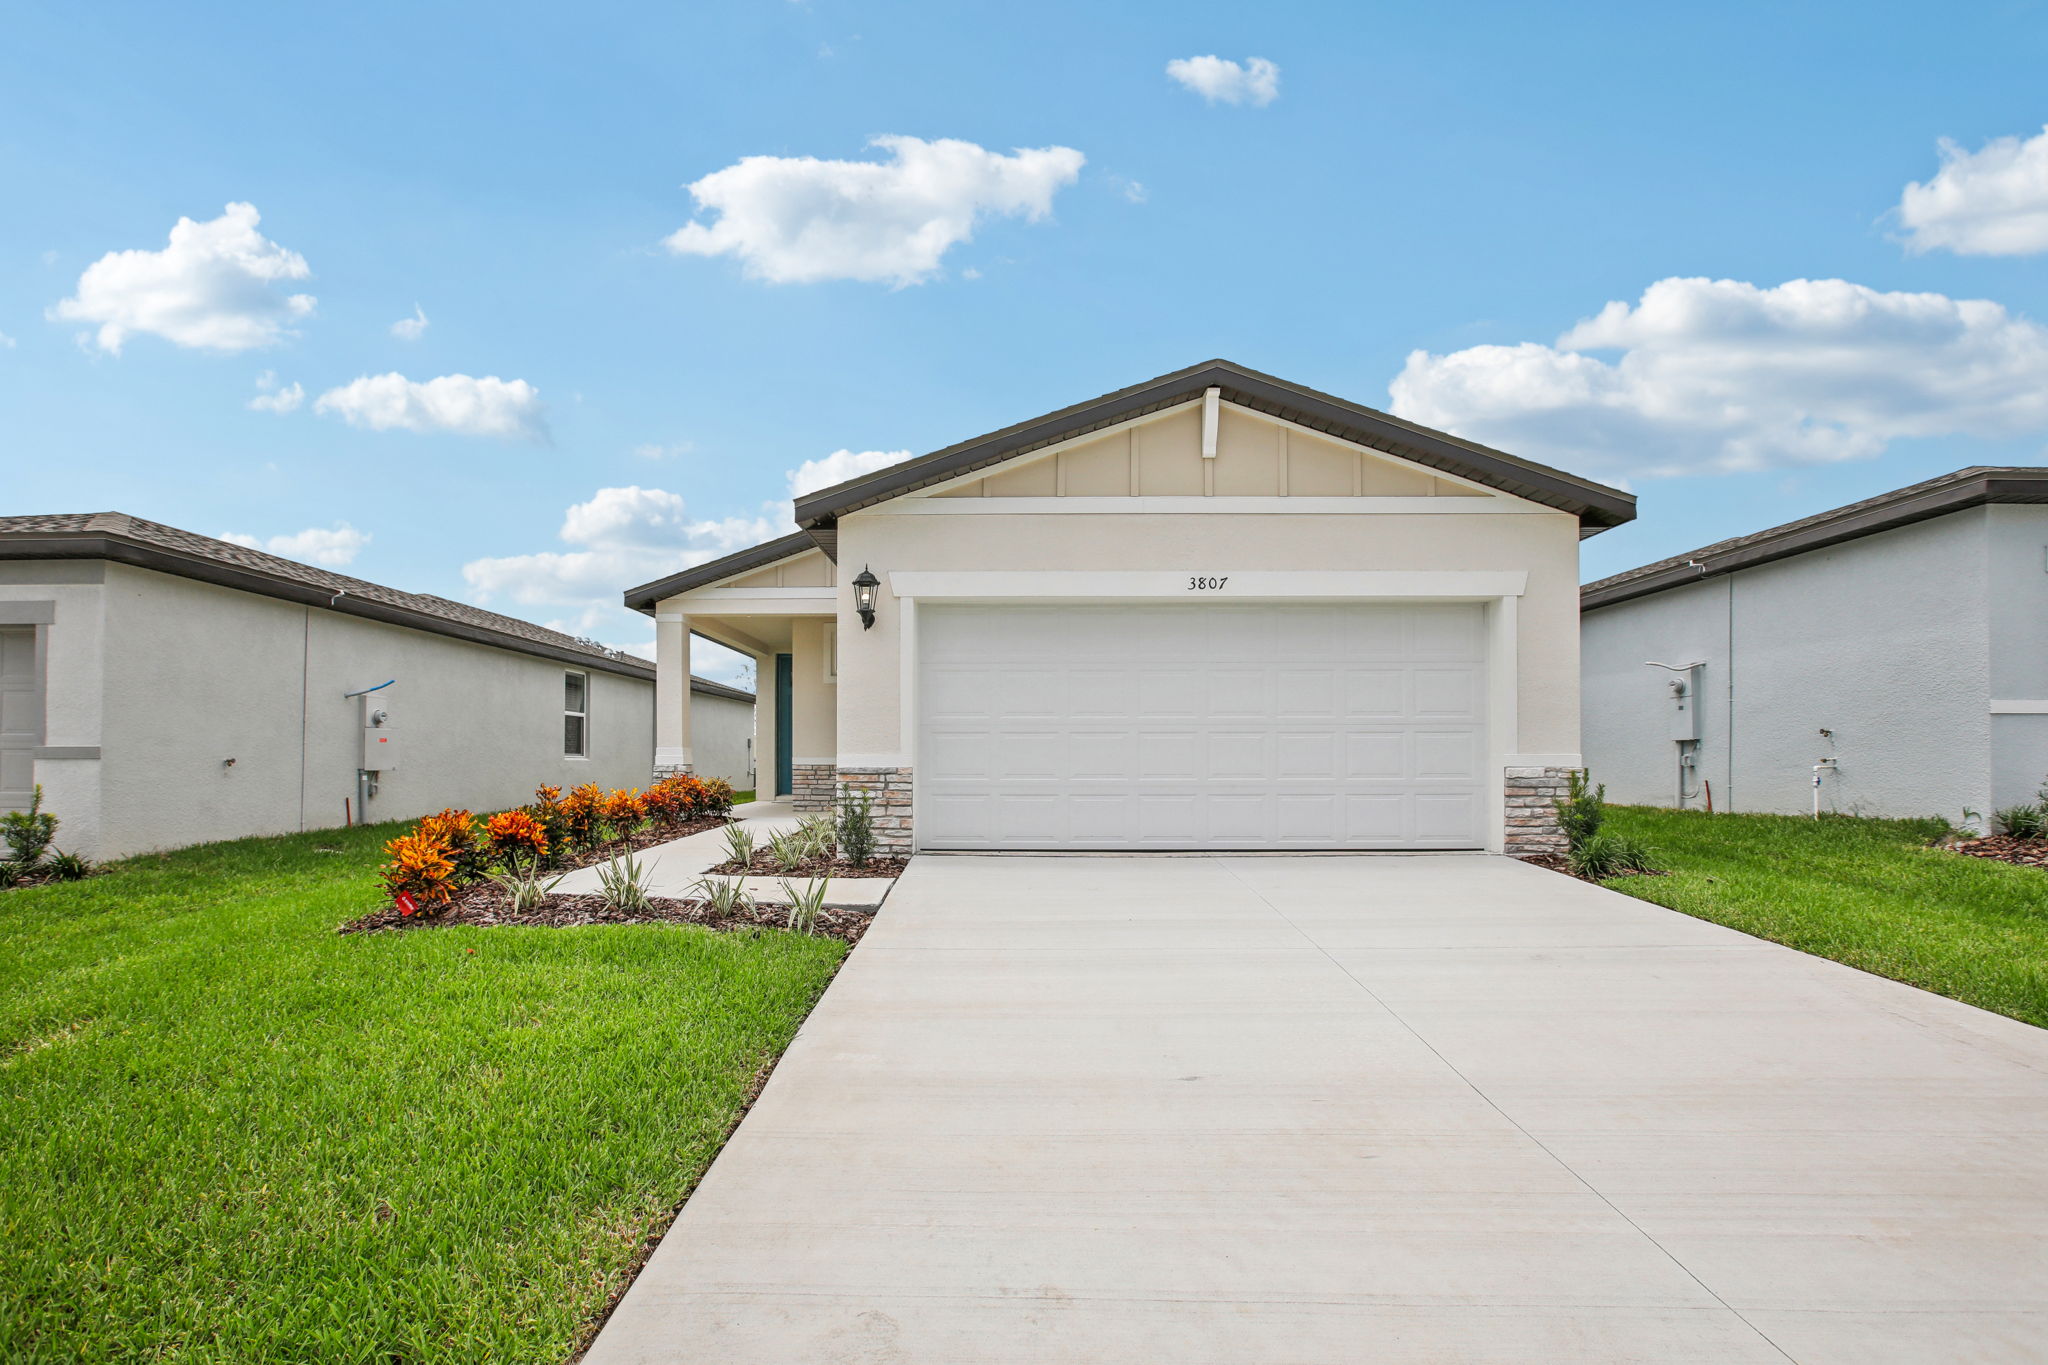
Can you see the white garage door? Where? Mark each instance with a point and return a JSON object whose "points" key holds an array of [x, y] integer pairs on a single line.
{"points": [[1201, 726]]}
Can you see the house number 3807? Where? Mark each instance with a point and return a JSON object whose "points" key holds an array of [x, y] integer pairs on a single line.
{"points": [[1207, 584]]}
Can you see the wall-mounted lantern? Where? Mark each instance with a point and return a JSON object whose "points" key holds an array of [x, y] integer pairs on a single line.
{"points": [[864, 596]]}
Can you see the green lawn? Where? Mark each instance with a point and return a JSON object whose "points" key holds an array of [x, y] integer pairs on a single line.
{"points": [[227, 1134], [1870, 893]]}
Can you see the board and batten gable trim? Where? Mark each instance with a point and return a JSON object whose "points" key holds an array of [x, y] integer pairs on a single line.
{"points": [[1596, 505]]}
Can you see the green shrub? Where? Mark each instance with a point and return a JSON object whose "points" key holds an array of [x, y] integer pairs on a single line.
{"points": [[1610, 855], [805, 905], [622, 883], [2022, 822], [68, 867], [857, 828], [29, 832], [1583, 810]]}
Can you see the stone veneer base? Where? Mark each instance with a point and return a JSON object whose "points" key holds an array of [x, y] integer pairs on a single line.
{"points": [[890, 789], [1532, 827], [662, 770], [812, 786]]}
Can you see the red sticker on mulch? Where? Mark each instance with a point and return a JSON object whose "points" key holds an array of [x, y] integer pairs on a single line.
{"points": [[405, 903]]}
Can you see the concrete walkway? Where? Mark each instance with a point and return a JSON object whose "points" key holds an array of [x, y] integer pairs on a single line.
{"points": [[675, 868], [1389, 1109]]}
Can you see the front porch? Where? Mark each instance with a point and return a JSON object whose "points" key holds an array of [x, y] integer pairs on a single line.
{"points": [[782, 612]]}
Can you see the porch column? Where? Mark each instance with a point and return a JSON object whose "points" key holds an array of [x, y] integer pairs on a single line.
{"points": [[671, 694], [814, 717], [764, 727]]}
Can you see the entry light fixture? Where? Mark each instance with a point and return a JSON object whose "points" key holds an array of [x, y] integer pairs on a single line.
{"points": [[864, 596]]}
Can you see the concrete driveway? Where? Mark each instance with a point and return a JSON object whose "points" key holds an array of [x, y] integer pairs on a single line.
{"points": [[1382, 1109]]}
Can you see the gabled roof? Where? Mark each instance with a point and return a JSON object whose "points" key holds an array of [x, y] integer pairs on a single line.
{"points": [[166, 549], [646, 595], [1973, 487], [1596, 505]]}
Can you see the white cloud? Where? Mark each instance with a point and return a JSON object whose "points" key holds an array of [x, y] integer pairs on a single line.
{"points": [[838, 467], [1990, 202], [211, 288], [328, 546], [271, 398], [654, 450], [798, 220], [457, 403], [412, 328], [7, 343], [1221, 81], [1718, 375], [628, 536]]}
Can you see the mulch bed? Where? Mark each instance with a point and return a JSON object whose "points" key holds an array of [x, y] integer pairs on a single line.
{"points": [[487, 907], [1556, 863], [835, 866], [2005, 849], [44, 879]]}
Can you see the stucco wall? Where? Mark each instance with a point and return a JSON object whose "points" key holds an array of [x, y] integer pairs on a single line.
{"points": [[189, 674], [73, 692], [721, 738], [1884, 640], [814, 697], [2017, 590], [1543, 544]]}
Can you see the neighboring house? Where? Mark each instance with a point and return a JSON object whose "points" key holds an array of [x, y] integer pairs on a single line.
{"points": [[1895, 650], [167, 688], [1212, 611]]}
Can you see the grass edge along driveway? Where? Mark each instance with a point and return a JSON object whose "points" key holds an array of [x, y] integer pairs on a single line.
{"points": [[1869, 893], [228, 1134]]}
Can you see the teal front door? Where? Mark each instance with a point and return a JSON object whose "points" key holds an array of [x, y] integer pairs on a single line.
{"points": [[784, 692]]}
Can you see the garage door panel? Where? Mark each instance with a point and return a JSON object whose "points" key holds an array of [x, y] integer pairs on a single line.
{"points": [[1239, 694], [1202, 726], [1376, 755], [957, 755], [1307, 756], [1445, 755], [1169, 694], [1027, 754], [1240, 756], [1305, 693], [1444, 817], [1445, 633], [1101, 693], [1028, 693], [1376, 818], [1376, 693], [955, 694], [1171, 756], [1100, 754], [1446, 692]]}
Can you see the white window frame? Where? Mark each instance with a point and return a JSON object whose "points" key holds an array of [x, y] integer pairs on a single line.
{"points": [[583, 715]]}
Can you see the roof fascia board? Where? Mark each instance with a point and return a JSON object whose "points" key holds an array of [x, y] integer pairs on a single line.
{"points": [[98, 545], [643, 598], [1925, 505]]}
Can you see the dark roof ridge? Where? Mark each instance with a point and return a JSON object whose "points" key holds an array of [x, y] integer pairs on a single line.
{"points": [[153, 545], [1972, 486]]}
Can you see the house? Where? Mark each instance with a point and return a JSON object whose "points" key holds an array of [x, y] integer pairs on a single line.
{"points": [[166, 688], [1885, 658], [1215, 610]]}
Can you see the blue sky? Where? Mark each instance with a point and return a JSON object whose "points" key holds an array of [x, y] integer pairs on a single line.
{"points": [[1476, 183]]}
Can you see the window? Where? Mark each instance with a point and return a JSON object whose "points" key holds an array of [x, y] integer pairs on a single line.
{"points": [[831, 652], [575, 714]]}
